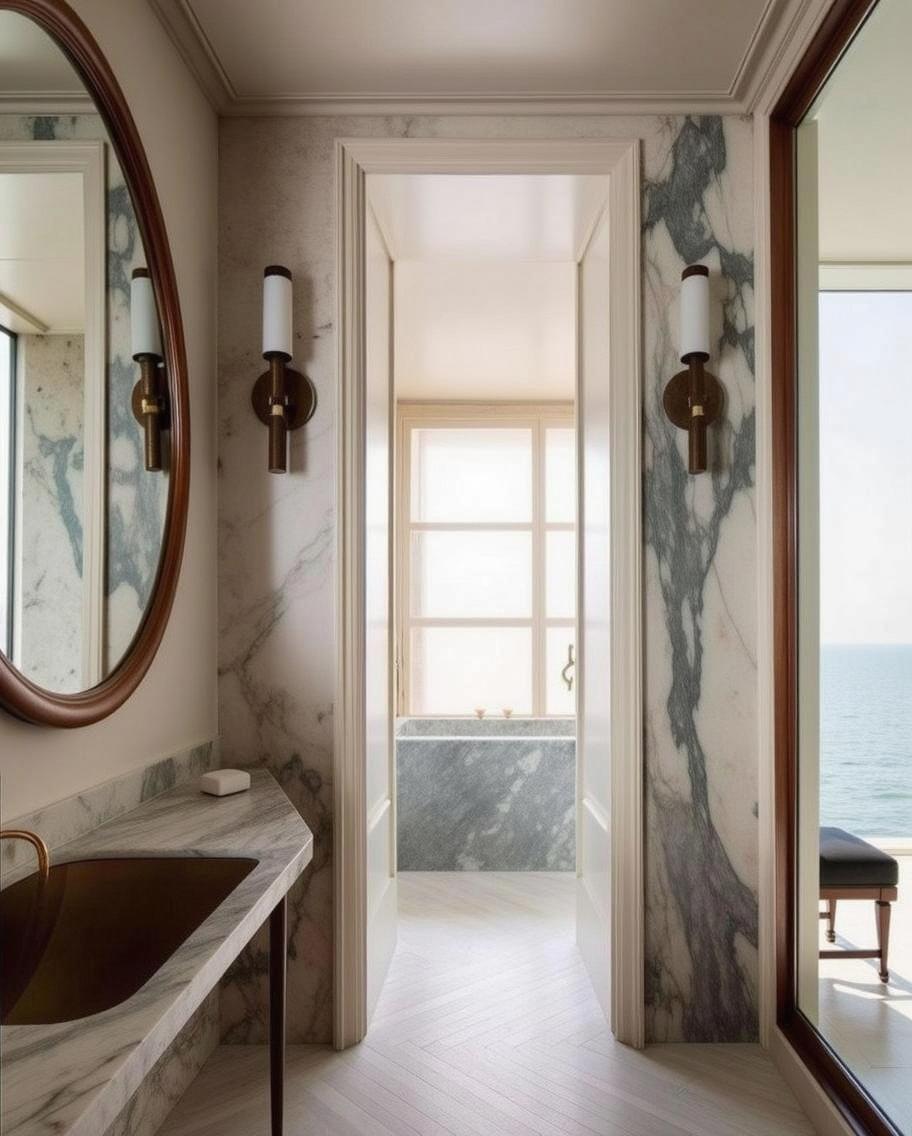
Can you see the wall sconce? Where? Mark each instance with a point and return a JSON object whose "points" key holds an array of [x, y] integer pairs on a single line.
{"points": [[150, 408], [283, 398], [693, 398]]}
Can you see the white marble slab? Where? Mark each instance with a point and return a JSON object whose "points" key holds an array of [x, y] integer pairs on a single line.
{"points": [[74, 1078]]}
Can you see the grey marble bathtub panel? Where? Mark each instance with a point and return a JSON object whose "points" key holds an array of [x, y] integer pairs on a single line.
{"points": [[492, 804]]}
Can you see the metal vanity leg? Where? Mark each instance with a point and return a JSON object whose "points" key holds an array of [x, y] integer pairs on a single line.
{"points": [[278, 934]]}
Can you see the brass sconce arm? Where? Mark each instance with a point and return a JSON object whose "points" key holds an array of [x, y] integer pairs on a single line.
{"points": [[283, 400], [150, 409], [693, 400]]}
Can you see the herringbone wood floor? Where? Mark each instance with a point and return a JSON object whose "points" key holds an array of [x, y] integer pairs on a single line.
{"points": [[488, 1026]]}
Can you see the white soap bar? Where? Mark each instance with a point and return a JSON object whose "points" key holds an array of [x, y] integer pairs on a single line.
{"points": [[224, 782]]}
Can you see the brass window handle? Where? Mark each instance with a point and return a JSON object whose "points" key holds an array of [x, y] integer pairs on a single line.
{"points": [[571, 662]]}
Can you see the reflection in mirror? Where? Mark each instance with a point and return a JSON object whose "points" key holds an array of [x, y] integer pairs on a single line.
{"points": [[854, 834], [81, 518]]}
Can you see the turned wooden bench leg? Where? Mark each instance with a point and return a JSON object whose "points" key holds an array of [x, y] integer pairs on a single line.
{"points": [[883, 936], [831, 921]]}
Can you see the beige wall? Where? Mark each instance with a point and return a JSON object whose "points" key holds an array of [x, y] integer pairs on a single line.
{"points": [[176, 704]]}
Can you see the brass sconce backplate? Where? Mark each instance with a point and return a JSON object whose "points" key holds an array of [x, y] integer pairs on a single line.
{"points": [[676, 399], [136, 404], [300, 393]]}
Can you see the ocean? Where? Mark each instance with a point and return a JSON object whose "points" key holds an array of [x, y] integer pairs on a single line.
{"points": [[866, 739]]}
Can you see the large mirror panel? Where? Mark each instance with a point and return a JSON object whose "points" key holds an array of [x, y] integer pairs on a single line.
{"points": [[853, 835], [82, 514]]}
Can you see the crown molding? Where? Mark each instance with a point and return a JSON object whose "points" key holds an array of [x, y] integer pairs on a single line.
{"points": [[798, 23], [776, 24], [197, 52], [45, 103]]}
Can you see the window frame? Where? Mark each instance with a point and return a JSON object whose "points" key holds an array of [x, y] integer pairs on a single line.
{"points": [[537, 417]]}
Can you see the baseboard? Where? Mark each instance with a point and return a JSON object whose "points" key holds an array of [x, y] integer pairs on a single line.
{"points": [[819, 1108]]}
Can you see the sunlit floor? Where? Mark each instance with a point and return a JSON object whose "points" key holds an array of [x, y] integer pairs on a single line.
{"points": [[867, 1023], [488, 1026]]}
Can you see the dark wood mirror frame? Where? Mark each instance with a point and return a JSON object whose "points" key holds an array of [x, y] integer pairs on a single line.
{"points": [[17, 694], [842, 22]]}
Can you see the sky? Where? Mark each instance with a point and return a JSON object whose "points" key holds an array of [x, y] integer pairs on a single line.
{"points": [[865, 371]]}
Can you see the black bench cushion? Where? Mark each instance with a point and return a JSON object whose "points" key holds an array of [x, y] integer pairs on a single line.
{"points": [[849, 861]]}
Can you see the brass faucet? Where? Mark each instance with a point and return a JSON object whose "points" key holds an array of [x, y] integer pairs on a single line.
{"points": [[44, 857]]}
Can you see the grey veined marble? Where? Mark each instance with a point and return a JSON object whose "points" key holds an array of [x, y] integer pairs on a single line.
{"points": [[701, 921], [75, 1078], [278, 637], [486, 727], [496, 803], [75, 816]]}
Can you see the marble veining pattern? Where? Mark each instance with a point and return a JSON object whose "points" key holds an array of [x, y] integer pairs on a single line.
{"points": [[277, 645], [75, 1078], [49, 589], [171, 1075], [497, 803], [75, 816], [701, 666], [486, 727]]}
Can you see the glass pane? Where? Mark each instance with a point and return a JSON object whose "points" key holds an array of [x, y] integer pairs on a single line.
{"points": [[558, 699], [455, 670], [471, 475], [560, 475], [560, 575], [464, 575]]}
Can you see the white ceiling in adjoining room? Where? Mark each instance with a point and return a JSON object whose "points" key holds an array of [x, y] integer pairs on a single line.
{"points": [[864, 140], [485, 330], [487, 216], [42, 259], [295, 54], [485, 280]]}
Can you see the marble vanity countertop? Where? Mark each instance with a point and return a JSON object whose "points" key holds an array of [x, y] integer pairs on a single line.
{"points": [[75, 1077]]}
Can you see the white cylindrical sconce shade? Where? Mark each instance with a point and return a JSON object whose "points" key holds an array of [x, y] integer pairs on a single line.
{"points": [[277, 311], [144, 329], [695, 311]]}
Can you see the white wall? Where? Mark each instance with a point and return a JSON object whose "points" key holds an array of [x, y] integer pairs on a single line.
{"points": [[176, 704]]}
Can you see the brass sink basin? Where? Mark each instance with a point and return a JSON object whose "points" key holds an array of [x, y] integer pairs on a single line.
{"points": [[92, 933]]}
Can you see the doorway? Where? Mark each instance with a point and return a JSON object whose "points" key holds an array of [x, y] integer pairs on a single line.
{"points": [[447, 627]]}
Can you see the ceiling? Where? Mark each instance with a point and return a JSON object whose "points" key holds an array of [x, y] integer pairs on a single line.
{"points": [[485, 280], [31, 65], [486, 216], [42, 264], [864, 140], [343, 55]]}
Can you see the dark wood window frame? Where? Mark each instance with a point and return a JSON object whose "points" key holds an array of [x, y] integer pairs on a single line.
{"points": [[838, 29]]}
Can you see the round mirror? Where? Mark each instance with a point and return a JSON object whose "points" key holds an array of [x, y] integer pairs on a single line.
{"points": [[93, 406]]}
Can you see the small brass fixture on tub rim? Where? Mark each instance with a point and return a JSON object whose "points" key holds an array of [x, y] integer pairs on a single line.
{"points": [[44, 856]]}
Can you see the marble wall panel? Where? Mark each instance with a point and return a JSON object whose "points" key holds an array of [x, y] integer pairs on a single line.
{"points": [[277, 636]]}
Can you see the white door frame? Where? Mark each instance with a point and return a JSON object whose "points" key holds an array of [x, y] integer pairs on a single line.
{"points": [[619, 160]]}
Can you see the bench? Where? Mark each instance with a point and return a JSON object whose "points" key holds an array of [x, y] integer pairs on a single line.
{"points": [[850, 868]]}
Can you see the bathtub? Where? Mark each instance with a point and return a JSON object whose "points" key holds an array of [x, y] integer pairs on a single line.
{"points": [[497, 794]]}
